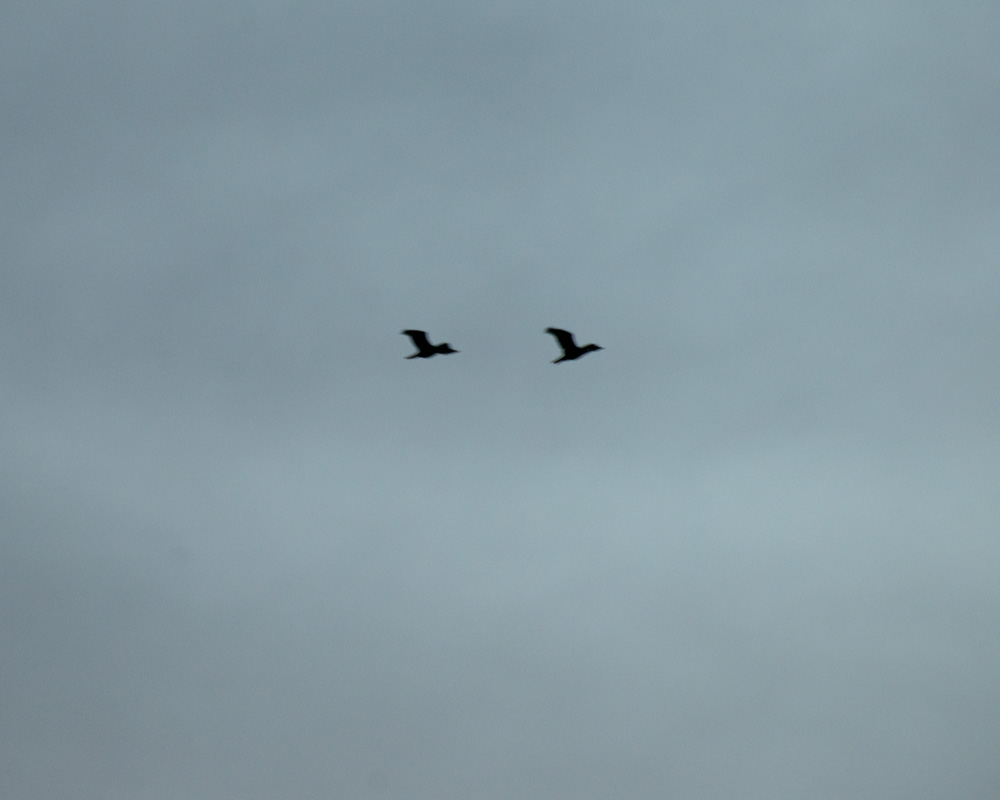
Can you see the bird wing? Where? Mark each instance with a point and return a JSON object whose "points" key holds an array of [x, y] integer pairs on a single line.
{"points": [[419, 339], [565, 338]]}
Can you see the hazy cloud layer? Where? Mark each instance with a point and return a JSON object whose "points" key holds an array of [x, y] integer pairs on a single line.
{"points": [[247, 550]]}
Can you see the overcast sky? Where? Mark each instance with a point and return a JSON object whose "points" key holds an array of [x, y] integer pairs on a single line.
{"points": [[749, 550]]}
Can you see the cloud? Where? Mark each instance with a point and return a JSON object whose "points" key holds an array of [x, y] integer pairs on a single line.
{"points": [[251, 551]]}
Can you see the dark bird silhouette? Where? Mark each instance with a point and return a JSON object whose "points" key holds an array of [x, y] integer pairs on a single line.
{"points": [[570, 348], [424, 348]]}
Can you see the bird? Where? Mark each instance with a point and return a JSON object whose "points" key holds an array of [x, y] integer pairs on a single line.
{"points": [[424, 348], [570, 348]]}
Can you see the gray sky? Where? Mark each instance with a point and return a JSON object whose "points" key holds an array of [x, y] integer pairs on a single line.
{"points": [[749, 550]]}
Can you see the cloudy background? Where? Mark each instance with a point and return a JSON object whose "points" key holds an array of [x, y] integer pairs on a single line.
{"points": [[749, 550]]}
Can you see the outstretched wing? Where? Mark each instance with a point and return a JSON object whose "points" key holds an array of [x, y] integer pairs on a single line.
{"points": [[419, 339], [565, 338]]}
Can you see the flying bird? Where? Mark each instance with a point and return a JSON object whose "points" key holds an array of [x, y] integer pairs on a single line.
{"points": [[424, 348], [570, 348]]}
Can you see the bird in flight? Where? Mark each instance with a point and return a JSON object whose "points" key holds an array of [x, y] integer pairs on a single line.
{"points": [[424, 348], [570, 348]]}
